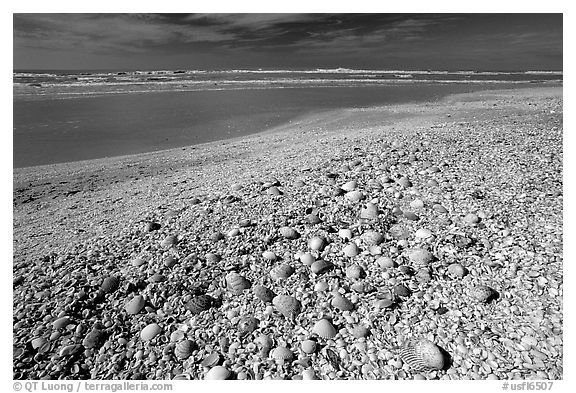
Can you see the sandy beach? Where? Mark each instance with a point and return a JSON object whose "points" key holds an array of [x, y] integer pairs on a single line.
{"points": [[438, 223]]}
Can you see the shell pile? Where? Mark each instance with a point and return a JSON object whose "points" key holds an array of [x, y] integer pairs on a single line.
{"points": [[420, 247]]}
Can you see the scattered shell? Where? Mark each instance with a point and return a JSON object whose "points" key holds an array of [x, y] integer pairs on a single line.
{"points": [[265, 343], [404, 182], [345, 233], [402, 290], [354, 196], [321, 286], [422, 355], [439, 208], [307, 259], [269, 255], [169, 241], [281, 272], [384, 303], [287, 305], [321, 266], [350, 186], [372, 238], [70, 349], [313, 219], [361, 287], [483, 293], [152, 226], [411, 216], [61, 323], [211, 360], [94, 339], [355, 272], [308, 346], [212, 258], [150, 331], [218, 373], [309, 374], [138, 262], [38, 342], [324, 329], [216, 236], [236, 283], [351, 250], [317, 243], [417, 204], [420, 257], [456, 270], [184, 349], [199, 303], [423, 275], [341, 303], [471, 219], [369, 211], [263, 293], [385, 262], [110, 284], [176, 336], [282, 354], [157, 277], [360, 331], [247, 325], [289, 233], [423, 233]]}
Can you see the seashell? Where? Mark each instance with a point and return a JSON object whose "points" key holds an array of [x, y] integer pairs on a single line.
{"points": [[308, 346], [110, 284], [350, 186], [69, 350], [94, 339], [372, 238], [38, 342], [138, 262], [341, 303], [439, 208], [184, 349], [170, 262], [216, 236], [289, 233], [423, 233], [152, 226], [313, 219], [361, 287], [169, 241], [269, 255], [420, 257], [402, 290], [397, 211], [422, 355], [384, 303], [324, 328], [263, 293], [406, 270], [211, 360], [351, 250], [483, 293], [150, 331], [411, 216], [273, 191], [157, 278], [321, 286], [212, 258], [417, 204], [385, 262], [307, 259], [317, 243], [404, 182], [281, 272], [265, 343], [345, 233], [182, 377], [218, 373], [281, 354], [355, 272], [287, 305], [423, 275], [360, 331], [321, 266], [456, 270], [61, 323], [354, 196], [471, 219], [369, 211], [233, 232], [176, 336], [247, 325], [244, 223], [199, 303], [236, 283], [309, 374]]}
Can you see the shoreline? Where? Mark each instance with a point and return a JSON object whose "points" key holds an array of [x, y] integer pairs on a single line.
{"points": [[493, 154]]}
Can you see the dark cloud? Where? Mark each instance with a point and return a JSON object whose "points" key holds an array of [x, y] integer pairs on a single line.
{"points": [[287, 40]]}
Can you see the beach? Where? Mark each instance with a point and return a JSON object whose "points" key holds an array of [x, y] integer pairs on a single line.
{"points": [[434, 222]]}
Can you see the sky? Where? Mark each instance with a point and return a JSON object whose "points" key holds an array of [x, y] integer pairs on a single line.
{"points": [[288, 41]]}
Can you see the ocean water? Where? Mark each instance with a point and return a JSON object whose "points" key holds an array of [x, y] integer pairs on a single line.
{"points": [[57, 119]]}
